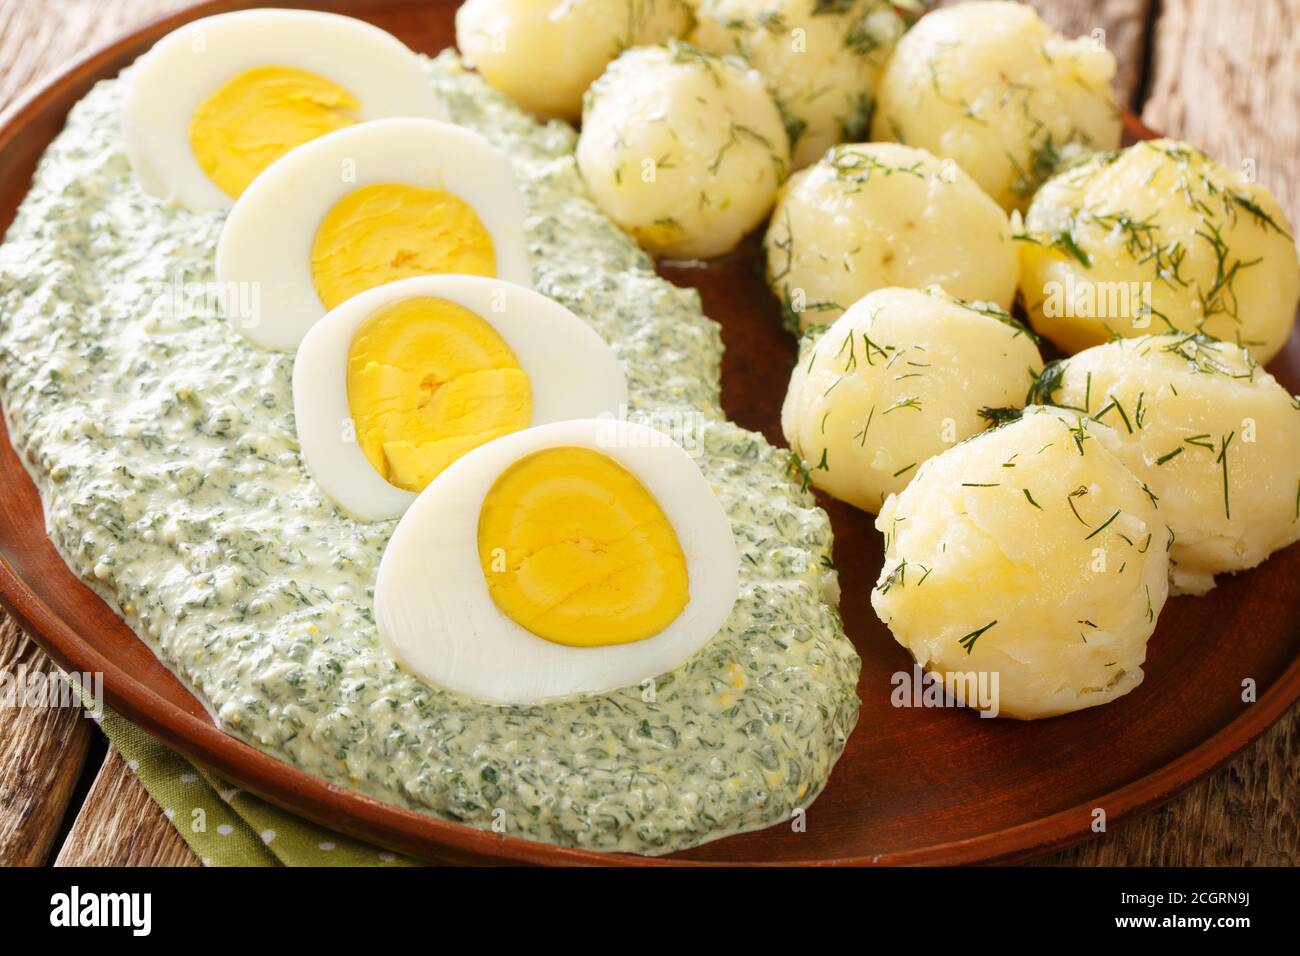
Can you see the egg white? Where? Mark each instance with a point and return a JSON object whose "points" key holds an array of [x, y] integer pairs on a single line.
{"points": [[572, 374], [267, 239], [167, 84], [437, 619]]}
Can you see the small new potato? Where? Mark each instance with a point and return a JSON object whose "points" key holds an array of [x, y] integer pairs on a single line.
{"points": [[683, 149], [544, 54], [872, 215], [1158, 237], [899, 377], [1213, 435], [1029, 554], [822, 61], [992, 86]]}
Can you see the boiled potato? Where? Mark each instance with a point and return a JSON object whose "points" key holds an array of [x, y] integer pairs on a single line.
{"points": [[544, 54], [1213, 435], [872, 215], [683, 149], [822, 60], [1031, 553], [990, 85], [899, 377], [1154, 237]]}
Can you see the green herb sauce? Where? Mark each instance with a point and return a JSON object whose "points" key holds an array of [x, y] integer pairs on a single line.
{"points": [[164, 448]]}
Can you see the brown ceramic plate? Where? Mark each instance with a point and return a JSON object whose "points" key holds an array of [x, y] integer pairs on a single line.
{"points": [[914, 785]]}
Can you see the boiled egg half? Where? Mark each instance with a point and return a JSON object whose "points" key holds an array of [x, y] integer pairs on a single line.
{"points": [[215, 102], [577, 557], [397, 383], [361, 207]]}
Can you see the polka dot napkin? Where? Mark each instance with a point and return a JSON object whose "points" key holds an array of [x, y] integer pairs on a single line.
{"points": [[226, 826]]}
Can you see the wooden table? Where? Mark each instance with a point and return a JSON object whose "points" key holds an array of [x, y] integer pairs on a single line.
{"points": [[1220, 73]]}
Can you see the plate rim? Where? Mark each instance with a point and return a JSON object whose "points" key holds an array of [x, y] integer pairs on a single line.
{"points": [[423, 834]]}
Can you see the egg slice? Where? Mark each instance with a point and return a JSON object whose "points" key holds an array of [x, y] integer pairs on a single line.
{"points": [[397, 383], [215, 102], [577, 557], [361, 207]]}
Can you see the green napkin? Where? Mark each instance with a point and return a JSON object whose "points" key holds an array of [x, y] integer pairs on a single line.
{"points": [[226, 826]]}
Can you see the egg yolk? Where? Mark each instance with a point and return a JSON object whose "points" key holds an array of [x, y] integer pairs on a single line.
{"points": [[261, 114], [389, 231], [578, 552], [427, 381]]}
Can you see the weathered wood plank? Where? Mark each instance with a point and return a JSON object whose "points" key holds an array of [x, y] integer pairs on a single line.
{"points": [[42, 753], [1226, 77], [120, 825], [1242, 815], [37, 36]]}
